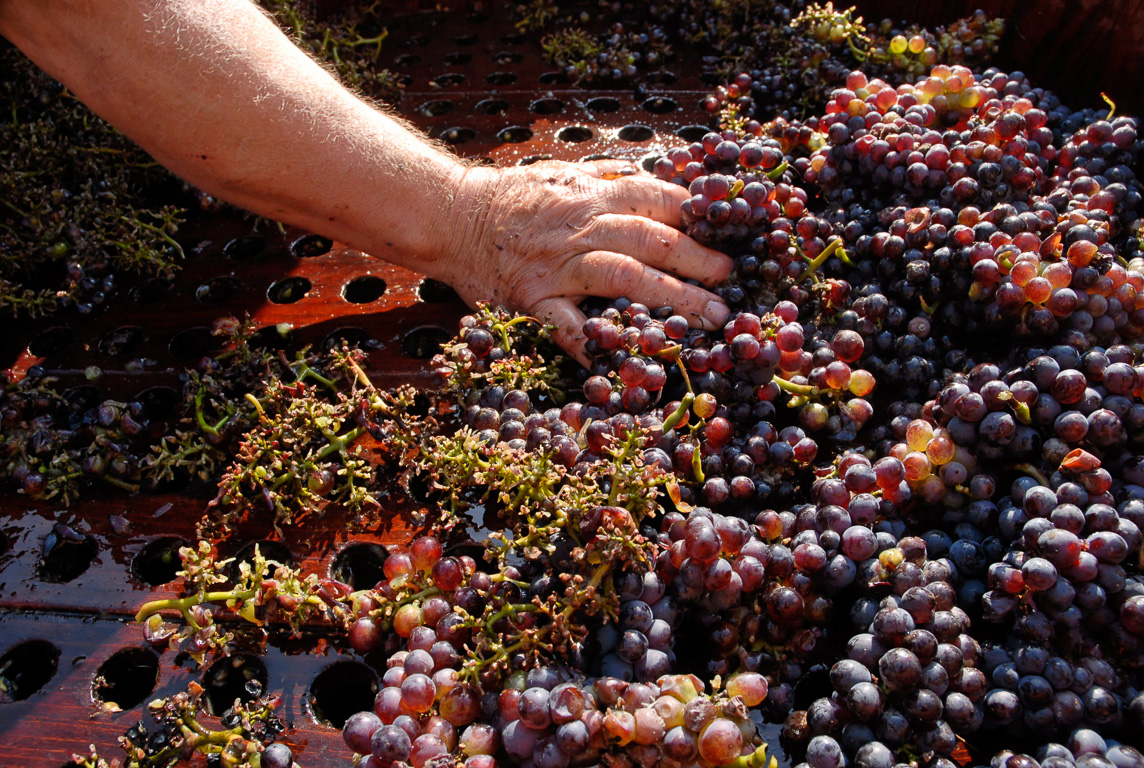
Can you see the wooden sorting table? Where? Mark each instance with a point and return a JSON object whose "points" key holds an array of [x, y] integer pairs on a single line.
{"points": [[472, 82]]}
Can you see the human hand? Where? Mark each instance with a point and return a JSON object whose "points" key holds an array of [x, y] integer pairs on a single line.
{"points": [[541, 238]]}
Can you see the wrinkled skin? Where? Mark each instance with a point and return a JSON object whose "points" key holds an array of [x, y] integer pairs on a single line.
{"points": [[541, 238]]}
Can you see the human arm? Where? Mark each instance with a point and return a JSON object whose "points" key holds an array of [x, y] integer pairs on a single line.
{"points": [[214, 91]]}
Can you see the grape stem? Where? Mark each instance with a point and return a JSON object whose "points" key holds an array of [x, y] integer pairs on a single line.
{"points": [[802, 390], [672, 421], [757, 759], [120, 484], [778, 170], [1110, 103], [1032, 472], [503, 328], [832, 248], [1020, 410]]}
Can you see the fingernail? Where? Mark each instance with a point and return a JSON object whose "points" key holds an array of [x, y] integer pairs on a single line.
{"points": [[716, 313]]}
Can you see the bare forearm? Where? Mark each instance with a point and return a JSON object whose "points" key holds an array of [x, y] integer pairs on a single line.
{"points": [[220, 96]]}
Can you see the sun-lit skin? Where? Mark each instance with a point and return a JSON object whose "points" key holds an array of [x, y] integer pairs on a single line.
{"points": [[247, 116]]}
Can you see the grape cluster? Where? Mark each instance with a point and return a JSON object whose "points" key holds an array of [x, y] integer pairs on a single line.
{"points": [[970, 531], [1083, 747], [84, 209], [614, 58], [52, 445], [820, 49], [443, 696], [554, 722]]}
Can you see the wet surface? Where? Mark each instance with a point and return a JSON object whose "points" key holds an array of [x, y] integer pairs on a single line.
{"points": [[71, 579]]}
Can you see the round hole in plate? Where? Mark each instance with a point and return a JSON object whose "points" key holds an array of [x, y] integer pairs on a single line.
{"points": [[574, 134], [436, 108], [660, 105], [407, 60], [127, 678], [84, 397], [603, 104], [552, 78], [597, 156], [662, 77], [361, 566], [242, 248], [27, 667], [546, 106], [288, 290], [66, 554], [121, 341], [693, 132], [340, 690], [51, 341], [363, 290], [271, 550], [465, 39], [433, 291], [476, 17], [635, 133], [513, 38], [217, 290], [149, 291], [457, 135], [501, 78], [491, 107], [308, 246], [191, 343], [424, 342], [507, 57], [448, 79], [531, 159], [457, 58], [272, 336], [416, 40], [158, 562], [355, 337], [241, 676], [158, 402], [515, 134]]}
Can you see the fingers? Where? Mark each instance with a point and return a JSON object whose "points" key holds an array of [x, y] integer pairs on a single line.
{"points": [[646, 196], [602, 273], [569, 322], [657, 245]]}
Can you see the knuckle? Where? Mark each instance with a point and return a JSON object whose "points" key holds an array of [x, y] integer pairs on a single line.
{"points": [[663, 242], [624, 274]]}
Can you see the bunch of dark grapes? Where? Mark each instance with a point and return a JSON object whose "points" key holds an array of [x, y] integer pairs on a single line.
{"points": [[458, 688], [1084, 747], [55, 444], [723, 429], [790, 69], [554, 722], [1053, 404]]}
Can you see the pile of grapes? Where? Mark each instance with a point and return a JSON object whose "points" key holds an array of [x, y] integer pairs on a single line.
{"points": [[892, 510], [895, 504]]}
